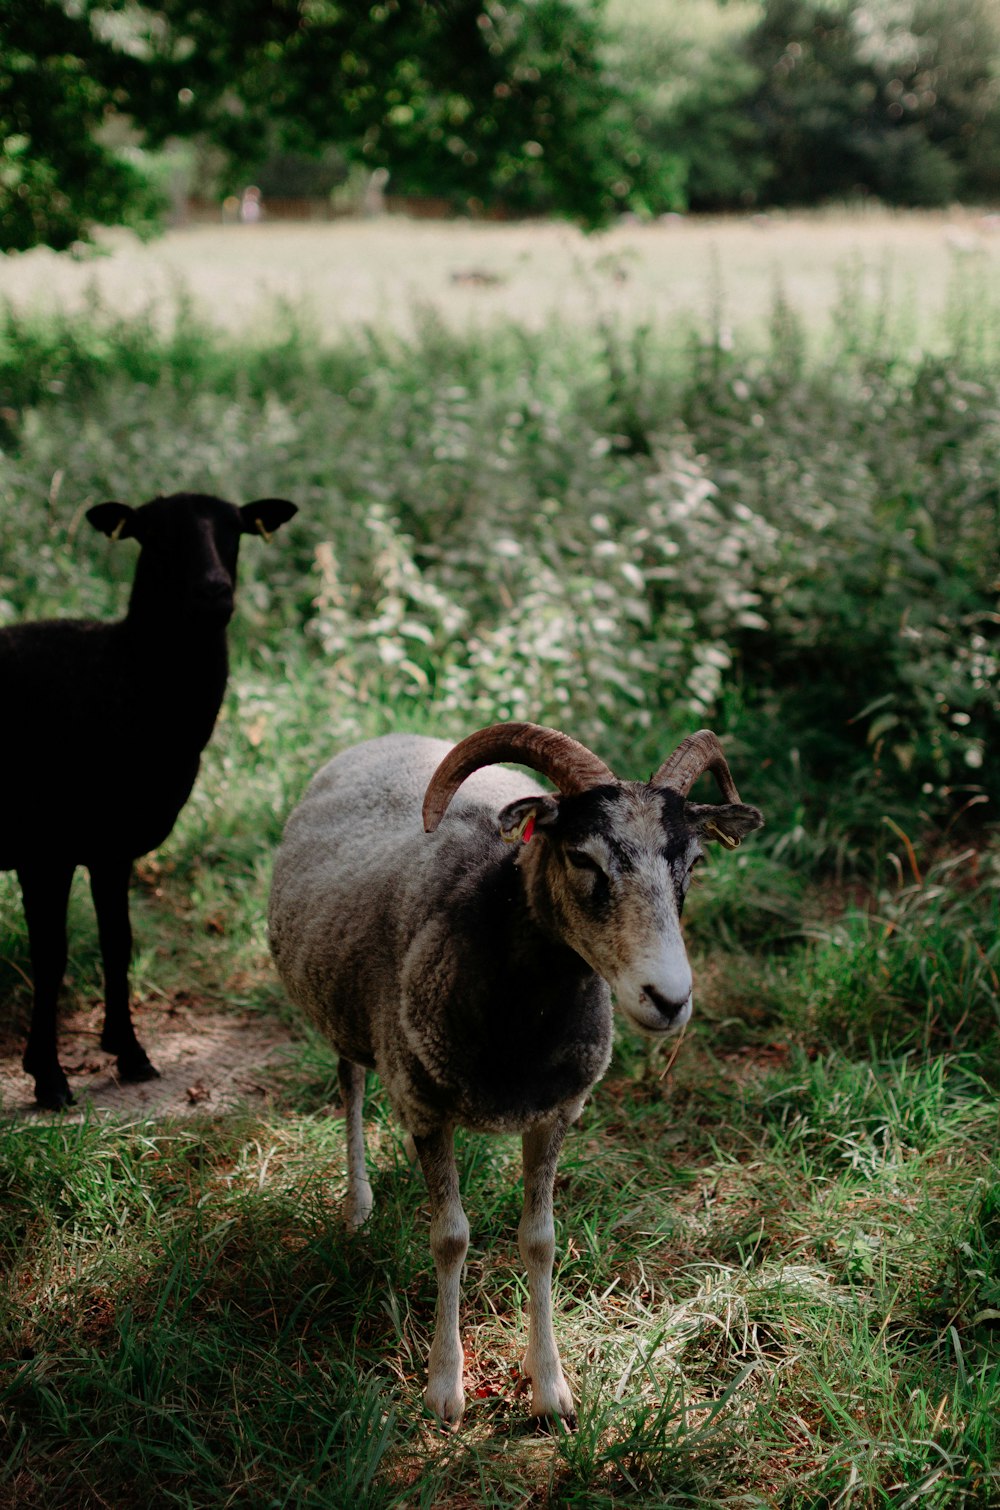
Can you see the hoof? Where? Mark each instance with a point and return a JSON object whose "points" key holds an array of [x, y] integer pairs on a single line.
{"points": [[447, 1406], [54, 1094], [553, 1425], [134, 1065], [551, 1399], [51, 1086]]}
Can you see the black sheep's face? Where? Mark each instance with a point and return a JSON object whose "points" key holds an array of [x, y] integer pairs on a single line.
{"points": [[190, 546], [190, 550]]}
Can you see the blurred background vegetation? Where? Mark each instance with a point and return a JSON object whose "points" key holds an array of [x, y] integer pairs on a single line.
{"points": [[112, 110]]}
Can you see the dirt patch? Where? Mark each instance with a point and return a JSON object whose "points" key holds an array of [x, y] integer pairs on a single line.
{"points": [[209, 1061]]}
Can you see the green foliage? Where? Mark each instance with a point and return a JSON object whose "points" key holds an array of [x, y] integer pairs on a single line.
{"points": [[470, 104], [146, 1377], [871, 1117], [464, 102], [877, 594], [510, 108], [57, 177], [921, 966], [799, 101], [972, 1274], [564, 528], [857, 99], [687, 67]]}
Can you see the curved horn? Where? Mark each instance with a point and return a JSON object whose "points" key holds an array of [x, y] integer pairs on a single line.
{"points": [[699, 752], [569, 766]]}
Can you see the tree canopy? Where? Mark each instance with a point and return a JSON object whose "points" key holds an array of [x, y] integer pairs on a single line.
{"points": [[473, 100], [894, 100], [56, 88], [538, 106], [813, 100]]}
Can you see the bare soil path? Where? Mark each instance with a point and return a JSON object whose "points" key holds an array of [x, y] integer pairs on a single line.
{"points": [[209, 1061]]}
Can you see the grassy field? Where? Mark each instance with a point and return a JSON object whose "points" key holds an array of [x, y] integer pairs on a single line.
{"points": [[778, 1281], [350, 274]]}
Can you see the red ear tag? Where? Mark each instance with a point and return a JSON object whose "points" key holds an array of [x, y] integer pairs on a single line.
{"points": [[528, 830]]}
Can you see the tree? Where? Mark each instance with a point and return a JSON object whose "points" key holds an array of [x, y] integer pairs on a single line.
{"points": [[797, 101], [56, 176], [473, 100], [897, 98], [684, 64]]}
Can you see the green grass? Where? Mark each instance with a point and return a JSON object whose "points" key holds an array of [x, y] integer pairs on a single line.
{"points": [[777, 1280], [769, 1311]]}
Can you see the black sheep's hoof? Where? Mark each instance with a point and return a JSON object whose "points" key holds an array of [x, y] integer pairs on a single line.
{"points": [[133, 1064], [54, 1093]]}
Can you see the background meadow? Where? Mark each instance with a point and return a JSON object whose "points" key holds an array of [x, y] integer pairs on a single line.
{"points": [[656, 489]]}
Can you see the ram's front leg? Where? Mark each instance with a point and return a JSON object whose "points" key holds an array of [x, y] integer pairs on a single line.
{"points": [[445, 1395], [358, 1206], [550, 1394]]}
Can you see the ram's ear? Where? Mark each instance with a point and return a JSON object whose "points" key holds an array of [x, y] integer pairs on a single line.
{"points": [[726, 822], [119, 521], [518, 820], [266, 515]]}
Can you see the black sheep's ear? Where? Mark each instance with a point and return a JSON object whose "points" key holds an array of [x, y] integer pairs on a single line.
{"points": [[266, 515], [116, 520], [518, 820]]}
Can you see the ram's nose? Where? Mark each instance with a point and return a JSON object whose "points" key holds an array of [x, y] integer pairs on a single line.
{"points": [[655, 1011], [673, 1012]]}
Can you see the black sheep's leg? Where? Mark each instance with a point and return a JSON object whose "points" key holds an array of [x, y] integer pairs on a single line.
{"points": [[109, 888], [45, 889]]}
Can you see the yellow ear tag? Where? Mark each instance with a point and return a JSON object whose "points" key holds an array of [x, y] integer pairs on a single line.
{"points": [[713, 831], [116, 532], [262, 532]]}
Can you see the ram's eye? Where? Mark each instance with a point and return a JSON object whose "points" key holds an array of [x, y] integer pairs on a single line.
{"points": [[581, 860]]}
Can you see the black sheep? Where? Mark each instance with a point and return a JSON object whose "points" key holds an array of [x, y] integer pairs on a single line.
{"points": [[104, 728]]}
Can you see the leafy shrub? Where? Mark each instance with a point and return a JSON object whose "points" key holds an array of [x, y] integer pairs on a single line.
{"points": [[881, 633], [564, 618], [565, 527]]}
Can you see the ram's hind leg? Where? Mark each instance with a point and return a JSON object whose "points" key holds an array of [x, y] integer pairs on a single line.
{"points": [[550, 1395], [359, 1191], [445, 1395]]}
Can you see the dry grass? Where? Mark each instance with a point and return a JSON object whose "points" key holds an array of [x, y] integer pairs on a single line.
{"points": [[351, 273]]}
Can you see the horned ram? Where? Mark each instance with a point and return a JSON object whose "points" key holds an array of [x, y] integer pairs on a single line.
{"points": [[470, 958]]}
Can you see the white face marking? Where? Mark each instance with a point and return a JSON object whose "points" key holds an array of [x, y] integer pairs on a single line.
{"points": [[620, 905]]}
